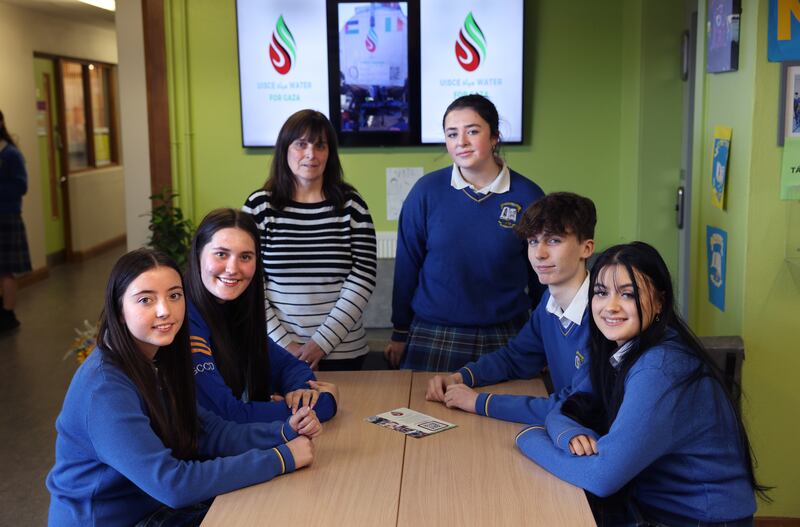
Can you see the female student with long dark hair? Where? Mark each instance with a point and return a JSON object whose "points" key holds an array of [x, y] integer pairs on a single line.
{"points": [[317, 245], [460, 272], [132, 444], [659, 425], [237, 368]]}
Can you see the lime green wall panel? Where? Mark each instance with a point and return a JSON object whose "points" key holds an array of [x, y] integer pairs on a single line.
{"points": [[53, 225], [762, 301], [771, 297]]}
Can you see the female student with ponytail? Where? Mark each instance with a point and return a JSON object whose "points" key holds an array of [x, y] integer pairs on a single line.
{"points": [[132, 444], [654, 424], [461, 273]]}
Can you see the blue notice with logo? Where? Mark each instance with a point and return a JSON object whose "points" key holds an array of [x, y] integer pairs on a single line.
{"points": [[717, 247]]}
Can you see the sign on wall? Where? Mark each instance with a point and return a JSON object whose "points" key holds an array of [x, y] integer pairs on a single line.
{"points": [[783, 33], [471, 46], [281, 66], [717, 249]]}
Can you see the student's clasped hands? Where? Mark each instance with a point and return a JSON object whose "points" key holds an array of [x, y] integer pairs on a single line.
{"points": [[304, 422], [451, 390]]}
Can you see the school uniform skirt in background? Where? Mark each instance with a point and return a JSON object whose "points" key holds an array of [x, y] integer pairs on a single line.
{"points": [[14, 255], [431, 347]]}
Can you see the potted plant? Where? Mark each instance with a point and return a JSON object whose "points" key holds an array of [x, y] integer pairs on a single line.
{"points": [[170, 232]]}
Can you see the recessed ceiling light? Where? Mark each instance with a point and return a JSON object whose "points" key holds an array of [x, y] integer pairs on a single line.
{"points": [[108, 5]]}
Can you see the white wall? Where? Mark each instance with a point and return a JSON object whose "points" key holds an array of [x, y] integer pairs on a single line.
{"points": [[133, 120], [22, 32], [96, 210]]}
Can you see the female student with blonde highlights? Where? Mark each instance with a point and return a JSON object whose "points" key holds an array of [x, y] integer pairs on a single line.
{"points": [[132, 444], [654, 423]]}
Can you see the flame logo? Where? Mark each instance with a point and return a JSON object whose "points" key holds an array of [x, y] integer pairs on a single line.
{"points": [[372, 40], [279, 51], [471, 44]]}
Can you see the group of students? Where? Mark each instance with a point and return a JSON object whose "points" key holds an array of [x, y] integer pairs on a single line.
{"points": [[203, 383]]}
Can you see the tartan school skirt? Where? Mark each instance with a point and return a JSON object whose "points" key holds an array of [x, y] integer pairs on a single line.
{"points": [[431, 347], [14, 255]]}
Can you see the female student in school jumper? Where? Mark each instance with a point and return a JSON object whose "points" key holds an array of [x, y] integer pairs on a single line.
{"points": [[318, 247], [14, 255], [237, 368], [460, 272], [132, 444], [659, 424]]}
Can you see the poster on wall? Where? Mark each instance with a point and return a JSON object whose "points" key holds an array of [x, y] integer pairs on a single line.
{"points": [[723, 36], [471, 46], [717, 249], [283, 64], [790, 170], [783, 32], [719, 165]]}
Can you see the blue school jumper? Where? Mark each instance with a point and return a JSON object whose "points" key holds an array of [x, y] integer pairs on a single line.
{"points": [[287, 374], [677, 446], [458, 260], [112, 469], [543, 340]]}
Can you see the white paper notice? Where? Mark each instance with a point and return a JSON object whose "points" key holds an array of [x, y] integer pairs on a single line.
{"points": [[398, 184]]}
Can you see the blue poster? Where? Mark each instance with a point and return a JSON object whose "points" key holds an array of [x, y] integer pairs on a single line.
{"points": [[717, 246], [783, 32]]}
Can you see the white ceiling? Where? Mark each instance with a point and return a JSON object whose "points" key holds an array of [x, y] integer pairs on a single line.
{"points": [[69, 9]]}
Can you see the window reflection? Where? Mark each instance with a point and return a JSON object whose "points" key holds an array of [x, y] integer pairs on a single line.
{"points": [[75, 115]]}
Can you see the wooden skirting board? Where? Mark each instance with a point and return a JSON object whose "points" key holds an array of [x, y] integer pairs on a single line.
{"points": [[37, 275], [79, 256]]}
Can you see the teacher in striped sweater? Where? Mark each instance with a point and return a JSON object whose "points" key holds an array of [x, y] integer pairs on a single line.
{"points": [[318, 248]]}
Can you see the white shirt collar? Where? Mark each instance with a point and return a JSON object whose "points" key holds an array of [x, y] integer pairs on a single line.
{"points": [[501, 184], [575, 309], [618, 356]]}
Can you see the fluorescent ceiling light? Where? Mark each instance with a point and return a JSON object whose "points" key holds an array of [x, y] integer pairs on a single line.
{"points": [[108, 5]]}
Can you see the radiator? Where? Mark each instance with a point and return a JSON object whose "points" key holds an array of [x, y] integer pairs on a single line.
{"points": [[387, 243]]}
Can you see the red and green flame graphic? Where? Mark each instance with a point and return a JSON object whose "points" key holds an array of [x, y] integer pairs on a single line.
{"points": [[372, 40], [281, 47], [470, 45]]}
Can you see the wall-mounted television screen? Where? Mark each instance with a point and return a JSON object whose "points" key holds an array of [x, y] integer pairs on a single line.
{"points": [[283, 64], [471, 46], [383, 72], [373, 73]]}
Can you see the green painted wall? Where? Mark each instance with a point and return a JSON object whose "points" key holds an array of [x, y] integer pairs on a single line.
{"points": [[762, 301], [53, 225], [660, 130], [574, 90]]}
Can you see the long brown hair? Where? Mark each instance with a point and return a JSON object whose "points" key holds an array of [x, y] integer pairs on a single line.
{"points": [[313, 126], [238, 327], [166, 384]]}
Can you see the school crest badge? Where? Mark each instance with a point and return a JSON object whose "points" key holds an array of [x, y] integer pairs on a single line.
{"points": [[509, 212], [579, 359]]}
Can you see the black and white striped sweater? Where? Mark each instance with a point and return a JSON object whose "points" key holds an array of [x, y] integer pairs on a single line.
{"points": [[319, 266]]}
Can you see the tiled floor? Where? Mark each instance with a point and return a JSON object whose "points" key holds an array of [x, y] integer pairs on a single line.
{"points": [[36, 379]]}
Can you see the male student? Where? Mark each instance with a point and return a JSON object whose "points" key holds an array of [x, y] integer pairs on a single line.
{"points": [[560, 231]]}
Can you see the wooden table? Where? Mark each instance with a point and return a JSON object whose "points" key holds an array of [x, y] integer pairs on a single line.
{"points": [[474, 474], [366, 475]]}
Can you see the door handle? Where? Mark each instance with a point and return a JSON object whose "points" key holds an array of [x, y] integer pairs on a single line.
{"points": [[679, 206], [63, 179]]}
